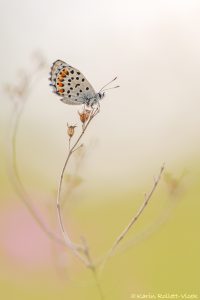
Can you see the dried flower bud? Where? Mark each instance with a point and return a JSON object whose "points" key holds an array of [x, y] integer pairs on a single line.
{"points": [[84, 115], [70, 130]]}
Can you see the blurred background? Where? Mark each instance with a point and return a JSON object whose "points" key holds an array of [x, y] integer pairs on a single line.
{"points": [[153, 118]]}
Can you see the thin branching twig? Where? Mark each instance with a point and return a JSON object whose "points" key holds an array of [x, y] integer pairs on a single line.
{"points": [[20, 95], [132, 221], [92, 267], [149, 230], [75, 248], [80, 251]]}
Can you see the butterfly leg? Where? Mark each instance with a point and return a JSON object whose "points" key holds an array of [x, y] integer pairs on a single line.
{"points": [[98, 106]]}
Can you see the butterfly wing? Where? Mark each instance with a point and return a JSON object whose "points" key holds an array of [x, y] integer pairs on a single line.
{"points": [[70, 83]]}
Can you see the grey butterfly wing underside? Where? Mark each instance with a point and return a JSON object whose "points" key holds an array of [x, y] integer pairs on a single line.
{"points": [[70, 83]]}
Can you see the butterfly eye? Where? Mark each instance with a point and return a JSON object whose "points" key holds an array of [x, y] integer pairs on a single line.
{"points": [[101, 95]]}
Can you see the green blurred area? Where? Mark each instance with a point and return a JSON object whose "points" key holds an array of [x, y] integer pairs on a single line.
{"points": [[159, 255]]}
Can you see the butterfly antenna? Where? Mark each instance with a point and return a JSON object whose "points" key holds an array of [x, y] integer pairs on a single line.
{"points": [[107, 84], [114, 87]]}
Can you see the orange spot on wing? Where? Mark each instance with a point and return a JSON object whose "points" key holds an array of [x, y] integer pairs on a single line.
{"points": [[60, 84], [62, 74], [61, 91], [66, 71]]}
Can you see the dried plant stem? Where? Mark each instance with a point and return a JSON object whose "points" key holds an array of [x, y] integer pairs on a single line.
{"points": [[81, 252], [76, 249], [133, 220], [151, 228], [15, 176], [93, 268]]}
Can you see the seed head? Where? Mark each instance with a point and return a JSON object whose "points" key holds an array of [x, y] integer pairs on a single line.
{"points": [[84, 115], [70, 130]]}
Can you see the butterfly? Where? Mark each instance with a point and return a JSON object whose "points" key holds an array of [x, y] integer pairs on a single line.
{"points": [[69, 83]]}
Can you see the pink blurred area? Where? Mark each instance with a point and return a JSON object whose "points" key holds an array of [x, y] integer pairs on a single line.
{"points": [[22, 242]]}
